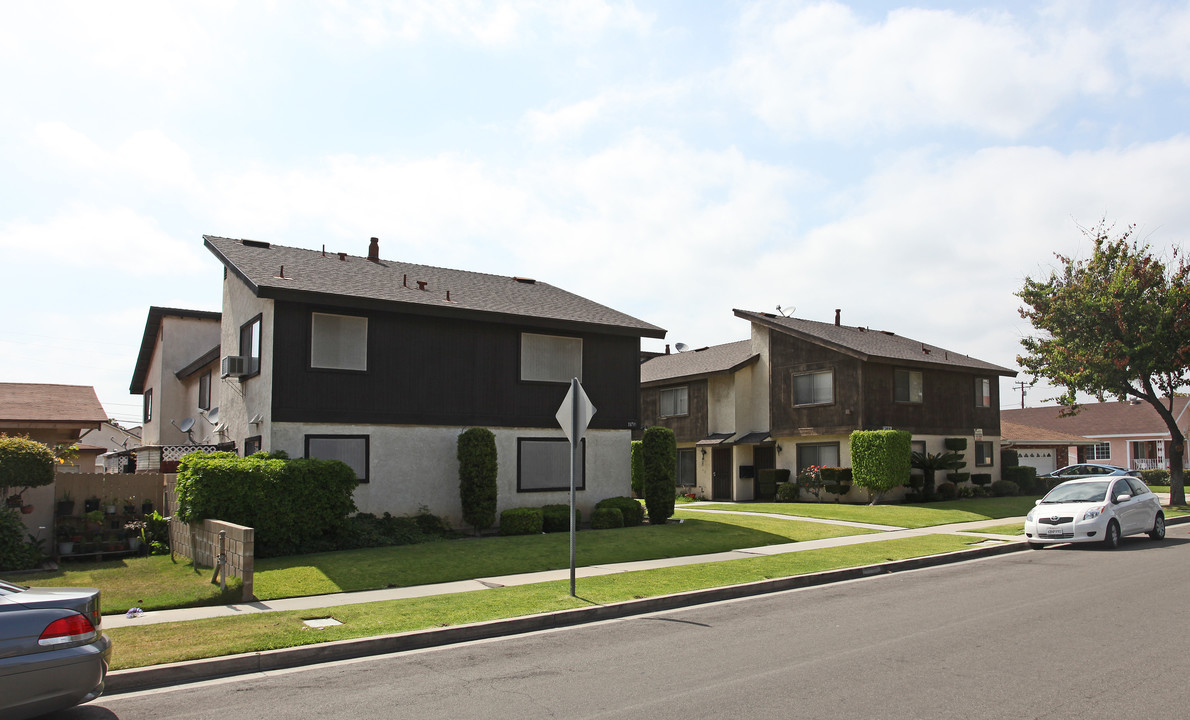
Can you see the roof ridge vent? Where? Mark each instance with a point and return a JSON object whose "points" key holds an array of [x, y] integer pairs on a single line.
{"points": [[525, 280], [255, 243]]}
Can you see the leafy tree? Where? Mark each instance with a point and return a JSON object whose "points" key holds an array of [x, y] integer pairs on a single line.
{"points": [[661, 465], [880, 460], [24, 463], [478, 469], [1116, 324]]}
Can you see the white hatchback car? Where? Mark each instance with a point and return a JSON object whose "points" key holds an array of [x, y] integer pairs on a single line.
{"points": [[1095, 510]]}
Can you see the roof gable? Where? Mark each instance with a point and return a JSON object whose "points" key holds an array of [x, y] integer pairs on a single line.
{"points": [[282, 272], [873, 345], [1102, 419], [149, 340], [704, 361], [58, 404]]}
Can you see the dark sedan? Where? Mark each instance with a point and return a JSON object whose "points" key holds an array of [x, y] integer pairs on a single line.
{"points": [[1090, 470], [53, 654]]}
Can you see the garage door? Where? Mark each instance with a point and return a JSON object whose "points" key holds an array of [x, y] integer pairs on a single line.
{"points": [[1043, 460]]}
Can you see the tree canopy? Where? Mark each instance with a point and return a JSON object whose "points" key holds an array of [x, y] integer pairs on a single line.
{"points": [[1117, 325]]}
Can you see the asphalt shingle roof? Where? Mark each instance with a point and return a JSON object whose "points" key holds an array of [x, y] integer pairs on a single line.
{"points": [[867, 344], [704, 361], [1030, 435], [1101, 419], [41, 403], [279, 271]]}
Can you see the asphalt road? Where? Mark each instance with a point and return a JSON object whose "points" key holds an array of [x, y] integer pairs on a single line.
{"points": [[1063, 632]]}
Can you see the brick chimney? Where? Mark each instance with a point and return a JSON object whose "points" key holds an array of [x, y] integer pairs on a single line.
{"points": [[374, 250]]}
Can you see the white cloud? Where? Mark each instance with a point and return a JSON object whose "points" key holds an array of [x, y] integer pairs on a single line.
{"points": [[147, 155], [819, 69]]}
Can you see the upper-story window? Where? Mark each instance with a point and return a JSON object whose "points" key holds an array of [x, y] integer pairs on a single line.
{"points": [[675, 401], [814, 388], [250, 345], [551, 358], [983, 392], [338, 342], [148, 405], [204, 391], [907, 386]]}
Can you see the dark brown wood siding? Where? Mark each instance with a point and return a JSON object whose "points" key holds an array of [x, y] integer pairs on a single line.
{"points": [[434, 371], [947, 407], [690, 427], [790, 357]]}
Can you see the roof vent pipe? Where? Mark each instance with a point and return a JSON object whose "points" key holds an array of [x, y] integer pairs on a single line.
{"points": [[837, 313], [666, 348], [421, 284], [374, 250], [343, 257]]}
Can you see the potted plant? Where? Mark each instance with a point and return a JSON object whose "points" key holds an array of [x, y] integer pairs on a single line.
{"points": [[91, 504], [110, 507], [14, 500], [65, 505], [130, 506], [26, 509], [65, 539], [136, 534], [146, 507]]}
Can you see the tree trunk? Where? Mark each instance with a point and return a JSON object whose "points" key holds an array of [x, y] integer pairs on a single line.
{"points": [[1177, 450]]}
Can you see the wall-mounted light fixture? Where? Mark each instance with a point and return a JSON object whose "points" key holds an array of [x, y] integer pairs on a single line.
{"points": [[704, 452], [779, 448]]}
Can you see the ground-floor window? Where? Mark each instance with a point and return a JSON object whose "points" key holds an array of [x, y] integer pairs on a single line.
{"points": [[820, 454], [351, 449], [252, 445], [1099, 451], [687, 472], [983, 454], [544, 464]]}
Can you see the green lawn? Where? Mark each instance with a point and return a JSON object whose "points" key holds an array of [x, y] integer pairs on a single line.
{"points": [[368, 569], [1017, 528], [907, 516], [137, 646], [156, 583], [153, 583]]}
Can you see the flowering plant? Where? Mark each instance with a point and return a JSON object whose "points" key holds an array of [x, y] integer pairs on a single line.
{"points": [[810, 478]]}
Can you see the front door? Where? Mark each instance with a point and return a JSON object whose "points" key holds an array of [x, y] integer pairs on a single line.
{"points": [[721, 474], [764, 457]]}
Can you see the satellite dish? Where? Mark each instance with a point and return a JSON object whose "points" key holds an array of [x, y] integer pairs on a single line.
{"points": [[220, 428], [187, 425], [787, 311], [681, 347], [213, 416]]}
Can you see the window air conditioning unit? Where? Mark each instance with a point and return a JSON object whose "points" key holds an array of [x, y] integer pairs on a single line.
{"points": [[234, 366]]}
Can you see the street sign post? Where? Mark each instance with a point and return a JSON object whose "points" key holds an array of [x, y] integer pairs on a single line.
{"points": [[574, 415]]}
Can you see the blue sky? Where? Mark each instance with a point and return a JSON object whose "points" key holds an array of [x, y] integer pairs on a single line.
{"points": [[674, 160]]}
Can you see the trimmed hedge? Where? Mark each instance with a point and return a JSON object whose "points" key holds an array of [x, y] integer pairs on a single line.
{"points": [[1025, 477], [294, 505], [15, 553], [1155, 477], [1004, 488], [982, 478], [630, 509], [880, 459], [946, 491], [606, 518], [661, 460], [25, 463], [788, 491], [478, 466], [556, 518], [1009, 458], [768, 480], [521, 521]]}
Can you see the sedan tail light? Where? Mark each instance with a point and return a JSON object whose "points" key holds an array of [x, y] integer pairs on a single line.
{"points": [[70, 629]]}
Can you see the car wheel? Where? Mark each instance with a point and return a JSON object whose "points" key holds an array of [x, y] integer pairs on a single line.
{"points": [[1111, 538], [1158, 531]]}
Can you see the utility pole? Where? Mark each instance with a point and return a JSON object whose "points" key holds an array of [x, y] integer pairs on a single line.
{"points": [[1021, 385]]}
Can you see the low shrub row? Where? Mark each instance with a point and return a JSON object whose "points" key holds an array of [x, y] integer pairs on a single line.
{"points": [[609, 513]]}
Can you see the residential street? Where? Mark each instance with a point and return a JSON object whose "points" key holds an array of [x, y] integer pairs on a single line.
{"points": [[1067, 631]]}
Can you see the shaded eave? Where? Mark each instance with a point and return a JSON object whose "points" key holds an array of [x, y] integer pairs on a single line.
{"points": [[149, 340], [202, 361], [354, 301]]}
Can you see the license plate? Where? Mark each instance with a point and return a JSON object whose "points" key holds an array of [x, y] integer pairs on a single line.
{"points": [[1055, 532]]}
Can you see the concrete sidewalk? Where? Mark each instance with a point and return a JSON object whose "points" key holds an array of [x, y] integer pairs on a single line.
{"points": [[314, 602]]}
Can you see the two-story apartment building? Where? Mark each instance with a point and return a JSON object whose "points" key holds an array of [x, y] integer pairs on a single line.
{"points": [[382, 364], [791, 395]]}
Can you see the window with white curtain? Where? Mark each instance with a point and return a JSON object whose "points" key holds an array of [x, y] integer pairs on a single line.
{"points": [[338, 342], [544, 464], [350, 449], [551, 358]]}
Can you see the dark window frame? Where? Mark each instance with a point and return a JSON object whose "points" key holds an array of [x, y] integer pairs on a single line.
{"points": [[254, 367], [520, 370], [367, 344], [253, 444], [579, 486], [147, 405], [980, 382], [909, 387], [337, 436], [814, 402], [661, 404], [204, 388], [804, 446], [693, 462], [990, 460]]}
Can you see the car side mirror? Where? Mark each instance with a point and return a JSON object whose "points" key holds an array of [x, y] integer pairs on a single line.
{"points": [[1037, 501], [1122, 497]]}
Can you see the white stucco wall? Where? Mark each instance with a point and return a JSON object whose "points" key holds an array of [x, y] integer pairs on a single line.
{"points": [[240, 401], [180, 341], [411, 466]]}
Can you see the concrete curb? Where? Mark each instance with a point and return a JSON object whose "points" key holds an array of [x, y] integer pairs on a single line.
{"points": [[133, 679], [154, 676]]}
